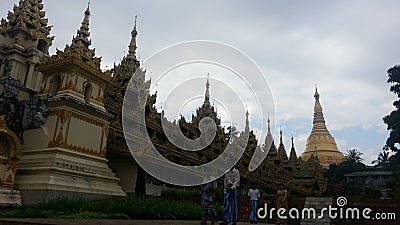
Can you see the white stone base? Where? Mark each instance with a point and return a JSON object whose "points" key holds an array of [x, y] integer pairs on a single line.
{"points": [[317, 203], [47, 173], [10, 197]]}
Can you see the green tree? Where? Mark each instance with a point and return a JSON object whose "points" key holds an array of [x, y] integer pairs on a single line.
{"points": [[394, 184], [393, 119], [394, 161], [337, 182], [383, 159], [354, 156]]}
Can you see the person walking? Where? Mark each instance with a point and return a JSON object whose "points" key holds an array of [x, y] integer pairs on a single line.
{"points": [[232, 182], [254, 194], [281, 202], [207, 199]]}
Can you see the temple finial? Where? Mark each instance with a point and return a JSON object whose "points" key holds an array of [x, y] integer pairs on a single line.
{"points": [[269, 125], [281, 139], [134, 31], [87, 12], [132, 44], [207, 95], [292, 142], [247, 112], [293, 154], [316, 95], [247, 128]]}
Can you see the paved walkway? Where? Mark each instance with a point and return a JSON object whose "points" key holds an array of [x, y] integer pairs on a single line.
{"points": [[39, 221]]}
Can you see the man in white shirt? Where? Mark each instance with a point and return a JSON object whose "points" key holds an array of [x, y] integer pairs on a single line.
{"points": [[254, 194]]}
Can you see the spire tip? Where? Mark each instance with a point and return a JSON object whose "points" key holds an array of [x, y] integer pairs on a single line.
{"points": [[134, 31], [87, 12], [316, 95], [207, 95]]}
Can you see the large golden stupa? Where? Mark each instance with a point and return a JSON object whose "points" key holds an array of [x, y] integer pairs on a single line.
{"points": [[320, 143]]}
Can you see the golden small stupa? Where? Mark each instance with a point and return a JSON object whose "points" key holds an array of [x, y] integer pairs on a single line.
{"points": [[320, 143]]}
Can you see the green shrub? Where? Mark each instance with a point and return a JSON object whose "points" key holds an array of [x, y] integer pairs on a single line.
{"points": [[180, 192], [117, 208]]}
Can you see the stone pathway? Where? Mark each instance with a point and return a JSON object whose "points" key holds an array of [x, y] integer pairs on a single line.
{"points": [[41, 221]]}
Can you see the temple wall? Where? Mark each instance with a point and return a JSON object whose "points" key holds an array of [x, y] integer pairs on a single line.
{"points": [[125, 168], [77, 131], [40, 138]]}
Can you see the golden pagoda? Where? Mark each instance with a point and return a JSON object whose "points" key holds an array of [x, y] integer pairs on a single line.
{"points": [[320, 143]]}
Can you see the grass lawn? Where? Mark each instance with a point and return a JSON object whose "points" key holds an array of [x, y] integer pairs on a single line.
{"points": [[116, 208]]}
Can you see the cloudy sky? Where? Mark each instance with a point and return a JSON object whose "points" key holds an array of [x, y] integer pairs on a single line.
{"points": [[345, 47]]}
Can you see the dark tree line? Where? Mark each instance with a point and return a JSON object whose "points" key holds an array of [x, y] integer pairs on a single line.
{"points": [[393, 141], [393, 119]]}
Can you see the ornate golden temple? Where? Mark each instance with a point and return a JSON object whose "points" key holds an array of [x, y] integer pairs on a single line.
{"points": [[70, 122], [320, 143]]}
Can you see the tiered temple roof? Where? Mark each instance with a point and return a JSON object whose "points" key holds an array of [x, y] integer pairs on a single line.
{"points": [[28, 16], [79, 51]]}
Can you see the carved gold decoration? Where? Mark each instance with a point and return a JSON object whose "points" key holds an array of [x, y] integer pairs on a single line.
{"points": [[62, 59], [61, 142], [43, 87], [10, 152], [4, 147], [58, 142], [70, 85], [86, 150], [18, 42], [63, 115]]}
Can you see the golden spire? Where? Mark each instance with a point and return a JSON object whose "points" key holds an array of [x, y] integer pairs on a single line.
{"points": [[269, 144], [132, 44], [207, 108], [281, 149], [268, 139], [29, 17], [293, 160], [320, 142], [319, 126], [79, 49], [207, 95], [82, 36], [293, 155], [247, 128], [129, 64], [134, 31]]}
